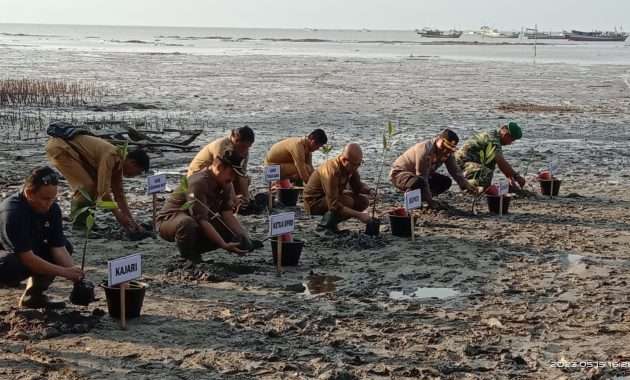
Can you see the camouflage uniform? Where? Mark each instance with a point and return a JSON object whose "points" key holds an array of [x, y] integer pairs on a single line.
{"points": [[467, 157]]}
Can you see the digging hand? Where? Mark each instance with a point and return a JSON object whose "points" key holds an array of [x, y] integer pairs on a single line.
{"points": [[364, 217], [74, 274]]}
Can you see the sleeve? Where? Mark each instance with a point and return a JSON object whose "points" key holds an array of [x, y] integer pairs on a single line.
{"points": [[18, 232], [330, 184], [355, 182], [106, 168], [198, 210], [299, 159], [56, 237], [227, 203], [455, 172]]}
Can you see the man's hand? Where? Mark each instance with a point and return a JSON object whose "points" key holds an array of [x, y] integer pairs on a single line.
{"points": [[364, 217], [520, 180], [73, 274], [234, 248], [469, 187]]}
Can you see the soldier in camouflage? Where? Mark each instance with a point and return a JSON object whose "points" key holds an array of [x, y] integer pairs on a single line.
{"points": [[468, 157]]}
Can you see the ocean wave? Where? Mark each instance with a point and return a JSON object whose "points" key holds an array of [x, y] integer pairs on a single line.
{"points": [[26, 35]]}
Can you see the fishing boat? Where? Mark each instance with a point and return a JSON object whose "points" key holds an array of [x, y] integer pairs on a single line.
{"points": [[488, 32], [534, 34], [436, 33], [615, 36]]}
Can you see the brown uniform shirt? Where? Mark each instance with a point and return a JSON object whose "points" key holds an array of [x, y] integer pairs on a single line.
{"points": [[330, 180], [100, 156], [204, 186], [293, 150], [206, 155]]}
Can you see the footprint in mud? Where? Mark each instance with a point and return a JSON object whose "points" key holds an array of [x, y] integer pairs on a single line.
{"points": [[210, 271], [28, 324]]}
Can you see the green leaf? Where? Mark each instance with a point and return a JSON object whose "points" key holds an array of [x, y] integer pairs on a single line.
{"points": [[107, 205], [384, 142], [89, 222], [482, 157], [78, 212], [187, 205], [124, 150], [327, 148], [390, 128], [183, 184], [86, 195]]}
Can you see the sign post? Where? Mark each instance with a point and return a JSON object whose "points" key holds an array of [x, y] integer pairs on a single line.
{"points": [[121, 271], [272, 174], [504, 189], [413, 200], [155, 184], [279, 225]]}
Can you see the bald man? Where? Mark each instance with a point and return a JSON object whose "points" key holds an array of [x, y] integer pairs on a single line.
{"points": [[326, 191]]}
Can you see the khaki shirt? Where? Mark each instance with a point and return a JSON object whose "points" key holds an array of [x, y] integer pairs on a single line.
{"points": [[102, 157], [421, 159], [293, 150], [206, 155], [330, 180], [207, 191]]}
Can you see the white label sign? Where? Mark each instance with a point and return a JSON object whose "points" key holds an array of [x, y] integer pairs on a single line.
{"points": [[156, 184], [553, 168], [281, 224], [124, 269], [272, 173], [413, 199], [504, 187]]}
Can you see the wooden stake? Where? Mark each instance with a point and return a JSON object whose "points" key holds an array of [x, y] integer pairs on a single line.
{"points": [[413, 228], [279, 254], [501, 205], [123, 306], [270, 205], [154, 212]]}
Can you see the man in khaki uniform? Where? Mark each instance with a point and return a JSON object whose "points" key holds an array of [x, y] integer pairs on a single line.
{"points": [[239, 140], [295, 155], [417, 168], [325, 193], [209, 223], [98, 167]]}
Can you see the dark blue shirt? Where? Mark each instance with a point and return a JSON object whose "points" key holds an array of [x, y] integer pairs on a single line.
{"points": [[22, 229]]}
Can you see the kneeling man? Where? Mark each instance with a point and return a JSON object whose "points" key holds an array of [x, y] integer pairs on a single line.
{"points": [[32, 243], [295, 155], [325, 193], [417, 168], [209, 223]]}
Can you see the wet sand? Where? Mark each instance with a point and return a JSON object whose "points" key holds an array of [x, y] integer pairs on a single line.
{"points": [[545, 283]]}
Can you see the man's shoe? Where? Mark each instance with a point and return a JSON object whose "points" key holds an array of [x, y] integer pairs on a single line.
{"points": [[40, 301]]}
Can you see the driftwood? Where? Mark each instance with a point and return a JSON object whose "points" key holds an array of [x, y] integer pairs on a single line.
{"points": [[142, 139], [152, 144]]}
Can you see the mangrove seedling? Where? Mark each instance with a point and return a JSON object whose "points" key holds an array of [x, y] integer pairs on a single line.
{"points": [[486, 158], [326, 149], [83, 290], [388, 137]]}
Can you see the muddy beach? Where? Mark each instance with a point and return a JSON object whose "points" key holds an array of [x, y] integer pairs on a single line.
{"points": [[474, 297]]}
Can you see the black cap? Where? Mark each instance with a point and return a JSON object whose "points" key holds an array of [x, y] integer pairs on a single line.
{"points": [[235, 161]]}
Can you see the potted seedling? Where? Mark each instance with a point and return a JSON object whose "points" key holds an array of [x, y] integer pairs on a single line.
{"points": [[549, 184], [486, 157], [373, 226], [83, 290]]}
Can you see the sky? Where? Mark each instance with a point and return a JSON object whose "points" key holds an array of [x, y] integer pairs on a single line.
{"points": [[325, 14]]}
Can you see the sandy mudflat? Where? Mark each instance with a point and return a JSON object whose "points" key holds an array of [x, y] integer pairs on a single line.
{"points": [[548, 282]]}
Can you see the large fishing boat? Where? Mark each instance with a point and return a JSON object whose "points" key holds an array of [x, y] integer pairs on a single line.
{"points": [[488, 32], [436, 33], [577, 35]]}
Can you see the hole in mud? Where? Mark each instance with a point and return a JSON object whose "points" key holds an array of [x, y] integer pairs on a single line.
{"points": [[319, 284], [440, 293]]}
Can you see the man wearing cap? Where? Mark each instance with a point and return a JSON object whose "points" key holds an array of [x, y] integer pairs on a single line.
{"points": [[417, 168], [469, 160], [32, 242], [325, 193], [239, 140], [295, 155], [209, 223], [97, 167]]}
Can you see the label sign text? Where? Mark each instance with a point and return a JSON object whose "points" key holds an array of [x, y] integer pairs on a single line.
{"points": [[413, 199], [281, 224], [272, 173], [124, 269], [156, 184]]}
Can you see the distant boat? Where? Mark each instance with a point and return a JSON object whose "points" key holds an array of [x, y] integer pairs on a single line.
{"points": [[577, 35], [534, 34], [486, 31], [436, 33]]}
